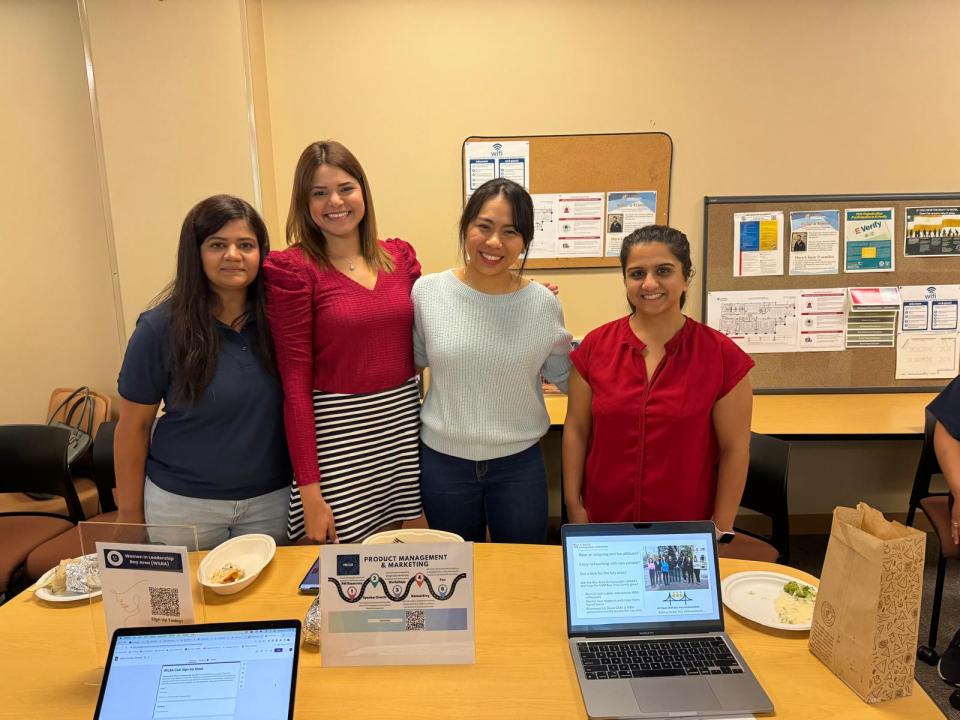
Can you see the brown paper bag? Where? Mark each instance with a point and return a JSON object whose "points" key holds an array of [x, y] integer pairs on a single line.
{"points": [[868, 607]]}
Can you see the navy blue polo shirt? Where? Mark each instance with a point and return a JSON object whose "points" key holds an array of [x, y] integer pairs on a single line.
{"points": [[946, 408], [230, 445]]}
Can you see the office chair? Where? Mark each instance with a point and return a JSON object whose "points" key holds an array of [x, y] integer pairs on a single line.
{"points": [[81, 470], [936, 506], [33, 458], [101, 409], [765, 493], [67, 544]]}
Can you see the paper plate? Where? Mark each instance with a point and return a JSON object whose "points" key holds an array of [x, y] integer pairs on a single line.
{"points": [[751, 594], [251, 552], [45, 594]]}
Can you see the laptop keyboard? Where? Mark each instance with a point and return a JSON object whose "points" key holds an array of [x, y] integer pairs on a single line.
{"points": [[657, 658]]}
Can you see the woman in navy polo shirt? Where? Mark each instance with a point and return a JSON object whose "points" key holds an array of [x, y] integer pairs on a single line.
{"points": [[217, 459], [658, 422]]}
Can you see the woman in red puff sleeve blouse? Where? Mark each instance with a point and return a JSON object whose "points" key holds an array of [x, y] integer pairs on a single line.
{"points": [[338, 303], [658, 423]]}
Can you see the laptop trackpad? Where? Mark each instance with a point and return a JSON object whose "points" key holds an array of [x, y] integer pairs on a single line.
{"points": [[674, 694]]}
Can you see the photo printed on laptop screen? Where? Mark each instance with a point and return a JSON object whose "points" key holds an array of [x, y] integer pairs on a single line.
{"points": [[625, 580]]}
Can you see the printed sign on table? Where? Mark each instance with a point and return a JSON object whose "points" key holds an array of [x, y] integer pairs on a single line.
{"points": [[397, 604], [144, 585]]}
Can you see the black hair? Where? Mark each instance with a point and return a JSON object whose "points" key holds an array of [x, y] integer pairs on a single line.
{"points": [[675, 240], [194, 339], [520, 202]]}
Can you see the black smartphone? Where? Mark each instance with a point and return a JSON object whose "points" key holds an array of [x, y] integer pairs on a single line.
{"points": [[310, 585]]}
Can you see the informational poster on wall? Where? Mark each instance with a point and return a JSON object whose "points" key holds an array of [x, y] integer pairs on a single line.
{"points": [[144, 585], [927, 336], [626, 212], [546, 208], [823, 313], [868, 236], [872, 317], [931, 232], [815, 242], [759, 321], [489, 160], [929, 308], [397, 604], [757, 244], [768, 321], [580, 224]]}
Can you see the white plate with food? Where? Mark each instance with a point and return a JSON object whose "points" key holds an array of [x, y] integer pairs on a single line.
{"points": [[233, 565], [770, 598], [44, 591]]}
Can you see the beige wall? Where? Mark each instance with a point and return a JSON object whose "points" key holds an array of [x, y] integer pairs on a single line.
{"points": [[57, 325], [173, 99]]}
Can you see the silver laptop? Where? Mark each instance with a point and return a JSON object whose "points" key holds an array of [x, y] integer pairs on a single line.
{"points": [[645, 623], [222, 671]]}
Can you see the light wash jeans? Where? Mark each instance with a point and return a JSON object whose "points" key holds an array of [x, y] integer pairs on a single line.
{"points": [[215, 520]]}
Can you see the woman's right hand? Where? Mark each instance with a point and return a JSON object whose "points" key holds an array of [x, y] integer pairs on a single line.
{"points": [[577, 514], [317, 516], [955, 523]]}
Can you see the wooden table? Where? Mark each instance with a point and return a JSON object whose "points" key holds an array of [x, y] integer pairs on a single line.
{"points": [[849, 416], [523, 667]]}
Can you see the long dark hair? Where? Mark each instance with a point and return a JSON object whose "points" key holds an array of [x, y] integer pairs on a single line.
{"points": [[303, 231], [520, 202], [194, 340]]}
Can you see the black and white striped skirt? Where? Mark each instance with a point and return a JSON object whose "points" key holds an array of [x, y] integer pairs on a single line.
{"points": [[369, 457]]}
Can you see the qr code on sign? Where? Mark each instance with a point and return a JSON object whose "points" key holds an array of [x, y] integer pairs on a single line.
{"points": [[164, 602], [414, 619]]}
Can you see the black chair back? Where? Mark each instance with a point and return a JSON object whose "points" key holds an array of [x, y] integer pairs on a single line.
{"points": [[927, 467], [103, 472], [766, 488], [33, 459], [937, 510]]}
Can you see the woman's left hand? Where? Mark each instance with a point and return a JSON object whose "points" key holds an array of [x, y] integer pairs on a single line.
{"points": [[555, 289]]}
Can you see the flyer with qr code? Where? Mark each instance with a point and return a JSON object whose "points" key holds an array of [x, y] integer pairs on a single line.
{"points": [[144, 585], [396, 604]]}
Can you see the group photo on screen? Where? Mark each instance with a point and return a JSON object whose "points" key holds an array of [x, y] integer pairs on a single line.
{"points": [[676, 567]]}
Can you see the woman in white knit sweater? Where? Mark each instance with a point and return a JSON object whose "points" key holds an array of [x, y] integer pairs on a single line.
{"points": [[488, 334]]}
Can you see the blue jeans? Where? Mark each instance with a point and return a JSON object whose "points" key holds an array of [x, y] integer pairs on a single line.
{"points": [[216, 520], [464, 496]]}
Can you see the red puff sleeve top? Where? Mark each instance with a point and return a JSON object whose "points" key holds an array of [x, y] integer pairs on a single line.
{"points": [[653, 449], [334, 335]]}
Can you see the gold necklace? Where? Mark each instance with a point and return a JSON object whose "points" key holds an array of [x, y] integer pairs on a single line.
{"points": [[351, 264]]}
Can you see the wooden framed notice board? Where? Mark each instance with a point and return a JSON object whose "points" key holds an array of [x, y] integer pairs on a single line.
{"points": [[618, 162], [861, 369]]}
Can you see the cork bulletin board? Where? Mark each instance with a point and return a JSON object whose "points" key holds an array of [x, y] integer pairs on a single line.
{"points": [[852, 370], [593, 163]]}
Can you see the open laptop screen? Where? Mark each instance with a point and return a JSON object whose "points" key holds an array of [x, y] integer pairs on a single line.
{"points": [[644, 578], [232, 673]]}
